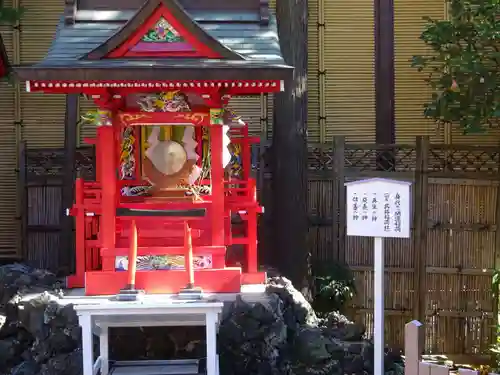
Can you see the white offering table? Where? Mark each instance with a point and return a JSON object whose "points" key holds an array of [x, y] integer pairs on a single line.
{"points": [[97, 318]]}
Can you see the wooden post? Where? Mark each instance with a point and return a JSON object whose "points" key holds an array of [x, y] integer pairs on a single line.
{"points": [[420, 199], [108, 190], [22, 188], [497, 257], [336, 186], [211, 319], [85, 322], [79, 280], [384, 78], [414, 343], [339, 208], [260, 148], [104, 349]]}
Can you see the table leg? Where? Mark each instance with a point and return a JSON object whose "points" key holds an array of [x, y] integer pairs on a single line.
{"points": [[87, 347], [211, 332], [104, 349]]}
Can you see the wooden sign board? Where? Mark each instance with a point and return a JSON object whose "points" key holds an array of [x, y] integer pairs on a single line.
{"points": [[378, 207]]}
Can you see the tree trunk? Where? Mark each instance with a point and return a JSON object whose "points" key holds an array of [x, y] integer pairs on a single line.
{"points": [[67, 256], [289, 149]]}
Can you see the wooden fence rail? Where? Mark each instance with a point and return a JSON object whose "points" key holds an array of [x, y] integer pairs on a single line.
{"points": [[41, 179], [441, 275]]}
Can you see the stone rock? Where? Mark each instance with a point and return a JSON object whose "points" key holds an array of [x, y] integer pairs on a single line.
{"points": [[296, 310], [20, 279], [337, 325], [38, 336], [252, 337], [283, 336], [64, 364]]}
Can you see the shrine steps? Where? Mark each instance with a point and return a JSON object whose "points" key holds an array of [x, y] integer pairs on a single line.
{"points": [[226, 280]]}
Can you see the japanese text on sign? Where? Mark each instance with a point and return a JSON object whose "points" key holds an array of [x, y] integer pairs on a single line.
{"points": [[364, 208], [397, 213], [378, 209], [355, 206], [374, 207]]}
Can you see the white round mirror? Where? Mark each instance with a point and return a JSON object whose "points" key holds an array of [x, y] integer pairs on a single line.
{"points": [[168, 157]]}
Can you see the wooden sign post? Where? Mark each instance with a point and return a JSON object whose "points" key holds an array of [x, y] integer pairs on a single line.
{"points": [[378, 208]]}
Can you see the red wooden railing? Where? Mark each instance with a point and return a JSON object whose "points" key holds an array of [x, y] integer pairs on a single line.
{"points": [[239, 196]]}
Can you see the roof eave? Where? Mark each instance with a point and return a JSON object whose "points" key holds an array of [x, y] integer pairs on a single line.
{"points": [[150, 73]]}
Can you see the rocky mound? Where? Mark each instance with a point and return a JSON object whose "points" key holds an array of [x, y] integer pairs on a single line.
{"points": [[286, 337], [40, 337], [37, 335]]}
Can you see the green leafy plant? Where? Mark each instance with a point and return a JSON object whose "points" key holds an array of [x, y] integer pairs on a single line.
{"points": [[334, 286], [9, 15], [463, 64]]}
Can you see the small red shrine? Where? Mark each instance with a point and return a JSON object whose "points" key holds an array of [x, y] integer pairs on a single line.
{"points": [[172, 162]]}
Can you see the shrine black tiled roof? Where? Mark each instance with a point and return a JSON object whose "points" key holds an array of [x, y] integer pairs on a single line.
{"points": [[242, 34], [249, 39], [246, 39]]}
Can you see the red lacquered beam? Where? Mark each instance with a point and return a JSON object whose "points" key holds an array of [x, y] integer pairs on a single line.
{"points": [[158, 205], [245, 140], [155, 212], [164, 250], [161, 233], [154, 219], [161, 242]]}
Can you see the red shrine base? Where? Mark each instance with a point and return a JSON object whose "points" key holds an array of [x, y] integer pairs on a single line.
{"points": [[228, 280]]}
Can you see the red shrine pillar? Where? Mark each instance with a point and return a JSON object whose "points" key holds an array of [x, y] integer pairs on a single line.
{"points": [[107, 178], [217, 176]]}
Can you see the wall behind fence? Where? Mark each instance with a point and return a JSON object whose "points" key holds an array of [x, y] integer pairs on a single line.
{"points": [[41, 183], [441, 275]]}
